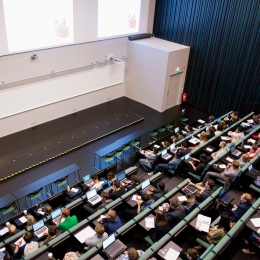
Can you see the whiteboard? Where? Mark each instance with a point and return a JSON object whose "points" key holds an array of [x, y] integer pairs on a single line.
{"points": [[35, 95]]}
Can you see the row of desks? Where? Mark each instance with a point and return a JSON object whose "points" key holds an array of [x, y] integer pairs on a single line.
{"points": [[43, 182]]}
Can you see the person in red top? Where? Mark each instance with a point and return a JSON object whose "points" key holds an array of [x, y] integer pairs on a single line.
{"points": [[254, 150]]}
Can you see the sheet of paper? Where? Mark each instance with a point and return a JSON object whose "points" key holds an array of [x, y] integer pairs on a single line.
{"points": [[84, 234], [136, 197], [4, 231], [256, 222], [209, 149], [74, 190], [182, 198], [203, 223], [225, 138], [247, 146], [250, 121], [222, 166], [201, 121], [156, 146], [252, 140], [23, 219], [229, 159], [171, 254], [149, 222], [20, 239], [39, 211]]}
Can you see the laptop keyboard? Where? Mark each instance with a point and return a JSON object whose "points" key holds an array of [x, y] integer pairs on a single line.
{"points": [[41, 230], [94, 198], [236, 153]]}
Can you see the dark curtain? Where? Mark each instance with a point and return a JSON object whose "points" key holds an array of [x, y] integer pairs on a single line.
{"points": [[223, 73]]}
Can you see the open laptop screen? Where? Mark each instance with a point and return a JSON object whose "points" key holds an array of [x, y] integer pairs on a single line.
{"points": [[121, 176], [145, 183], [86, 178], [164, 152], [38, 225], [232, 148], [186, 157], [250, 167], [105, 185], [56, 213], [172, 146], [91, 193], [107, 242]]}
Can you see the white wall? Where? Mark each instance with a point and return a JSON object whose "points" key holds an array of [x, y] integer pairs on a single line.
{"points": [[149, 66]]}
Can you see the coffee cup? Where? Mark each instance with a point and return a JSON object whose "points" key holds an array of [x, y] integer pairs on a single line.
{"points": [[50, 255]]}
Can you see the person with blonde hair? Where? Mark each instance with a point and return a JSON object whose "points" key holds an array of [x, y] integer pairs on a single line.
{"points": [[30, 220], [100, 235], [130, 254]]}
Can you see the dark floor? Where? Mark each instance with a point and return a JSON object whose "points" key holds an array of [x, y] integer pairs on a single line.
{"points": [[49, 135]]}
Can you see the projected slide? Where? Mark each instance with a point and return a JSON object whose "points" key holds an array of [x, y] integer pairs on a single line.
{"points": [[118, 17], [33, 24]]}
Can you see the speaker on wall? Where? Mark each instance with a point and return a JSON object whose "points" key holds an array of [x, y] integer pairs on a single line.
{"points": [[139, 36]]}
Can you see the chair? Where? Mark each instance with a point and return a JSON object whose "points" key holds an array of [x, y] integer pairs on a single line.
{"points": [[9, 209], [127, 149], [136, 144], [34, 196], [62, 182], [154, 135], [169, 127], [109, 159], [119, 154]]}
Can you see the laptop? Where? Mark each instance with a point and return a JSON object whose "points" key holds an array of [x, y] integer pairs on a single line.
{"points": [[106, 186], [121, 177], [190, 189], [145, 185], [165, 155], [252, 171], [176, 130], [55, 216], [2, 255], [113, 247], [92, 197], [87, 180], [187, 158], [39, 228], [224, 197], [173, 148], [235, 152]]}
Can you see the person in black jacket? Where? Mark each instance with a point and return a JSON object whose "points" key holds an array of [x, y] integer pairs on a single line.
{"points": [[176, 213], [161, 226], [117, 190], [157, 193]]}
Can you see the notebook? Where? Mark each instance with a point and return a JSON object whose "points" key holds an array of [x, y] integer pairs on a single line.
{"points": [[87, 180], [55, 216], [39, 228], [121, 177], [234, 152], [190, 189], [145, 185], [224, 197], [92, 197], [165, 155], [85, 233], [112, 247], [187, 158], [106, 186], [252, 171]]}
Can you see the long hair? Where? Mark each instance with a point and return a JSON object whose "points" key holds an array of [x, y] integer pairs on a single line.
{"points": [[224, 221], [160, 219]]}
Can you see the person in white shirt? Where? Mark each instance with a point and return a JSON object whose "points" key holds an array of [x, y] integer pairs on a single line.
{"points": [[222, 146]]}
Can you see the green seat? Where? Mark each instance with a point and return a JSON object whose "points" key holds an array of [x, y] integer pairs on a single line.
{"points": [[127, 226], [253, 187], [35, 196], [147, 254], [247, 215], [119, 154], [148, 240], [211, 255], [127, 149], [136, 144], [202, 256], [202, 243], [169, 127], [62, 182], [222, 244], [161, 132], [9, 210], [108, 159], [184, 119], [178, 228]]}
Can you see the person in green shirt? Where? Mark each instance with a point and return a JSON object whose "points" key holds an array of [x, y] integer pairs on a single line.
{"points": [[69, 221]]}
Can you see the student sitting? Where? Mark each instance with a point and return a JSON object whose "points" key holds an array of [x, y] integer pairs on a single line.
{"points": [[100, 235]]}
